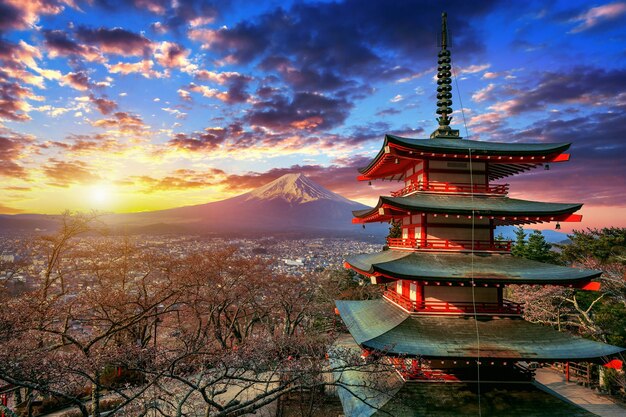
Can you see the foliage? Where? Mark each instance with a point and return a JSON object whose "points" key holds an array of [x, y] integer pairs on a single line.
{"points": [[207, 333], [395, 229], [597, 315], [535, 247]]}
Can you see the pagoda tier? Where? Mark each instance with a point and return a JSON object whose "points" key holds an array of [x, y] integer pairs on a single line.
{"points": [[502, 159], [381, 326], [454, 268], [502, 210]]}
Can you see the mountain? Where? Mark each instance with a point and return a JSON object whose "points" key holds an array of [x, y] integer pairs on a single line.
{"points": [[508, 232], [292, 203]]}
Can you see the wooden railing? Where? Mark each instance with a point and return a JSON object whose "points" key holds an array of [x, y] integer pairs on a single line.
{"points": [[446, 244], [455, 188], [458, 307]]}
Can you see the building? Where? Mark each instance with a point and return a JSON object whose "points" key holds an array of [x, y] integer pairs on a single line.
{"points": [[457, 344]]}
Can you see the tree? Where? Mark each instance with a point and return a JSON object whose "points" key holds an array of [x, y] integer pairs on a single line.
{"points": [[209, 333], [395, 229], [598, 315], [535, 248]]}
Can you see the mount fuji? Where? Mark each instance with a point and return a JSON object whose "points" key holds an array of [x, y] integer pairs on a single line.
{"points": [[292, 203]]}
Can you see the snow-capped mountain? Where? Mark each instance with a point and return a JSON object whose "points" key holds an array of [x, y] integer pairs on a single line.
{"points": [[291, 203], [295, 189]]}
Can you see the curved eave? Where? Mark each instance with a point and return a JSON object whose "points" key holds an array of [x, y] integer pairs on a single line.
{"points": [[508, 158], [462, 267], [381, 326], [507, 209]]}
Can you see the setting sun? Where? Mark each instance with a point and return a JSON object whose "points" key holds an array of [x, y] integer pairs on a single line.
{"points": [[101, 195]]}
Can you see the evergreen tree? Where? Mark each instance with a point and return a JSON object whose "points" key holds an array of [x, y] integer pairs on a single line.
{"points": [[395, 228], [519, 246], [535, 248]]}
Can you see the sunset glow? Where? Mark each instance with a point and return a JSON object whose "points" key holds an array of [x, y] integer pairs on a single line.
{"points": [[144, 105]]}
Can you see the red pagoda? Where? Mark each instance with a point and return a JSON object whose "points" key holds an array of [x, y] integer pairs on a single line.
{"points": [[457, 344]]}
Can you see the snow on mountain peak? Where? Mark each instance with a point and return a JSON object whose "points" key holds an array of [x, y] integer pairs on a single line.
{"points": [[294, 188]]}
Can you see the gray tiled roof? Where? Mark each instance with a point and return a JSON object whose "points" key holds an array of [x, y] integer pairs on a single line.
{"points": [[380, 325], [454, 266]]}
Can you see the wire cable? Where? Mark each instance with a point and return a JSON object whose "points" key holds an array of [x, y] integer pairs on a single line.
{"points": [[471, 171]]}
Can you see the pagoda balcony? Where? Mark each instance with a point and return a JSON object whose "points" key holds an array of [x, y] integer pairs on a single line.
{"points": [[506, 307], [451, 245], [453, 188]]}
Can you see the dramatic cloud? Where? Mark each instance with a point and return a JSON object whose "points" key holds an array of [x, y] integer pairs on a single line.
{"points": [[104, 106], [305, 111], [58, 43], [20, 14], [115, 41], [77, 80], [122, 123], [173, 55], [84, 144], [237, 84], [580, 85], [596, 174], [180, 180], [207, 140], [12, 148], [65, 173]]}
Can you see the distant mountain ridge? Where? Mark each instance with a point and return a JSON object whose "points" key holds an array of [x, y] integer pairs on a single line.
{"points": [[291, 203]]}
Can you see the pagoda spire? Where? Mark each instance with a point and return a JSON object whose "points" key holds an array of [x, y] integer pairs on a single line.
{"points": [[444, 88]]}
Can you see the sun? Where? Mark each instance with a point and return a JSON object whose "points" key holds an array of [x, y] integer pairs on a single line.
{"points": [[101, 194]]}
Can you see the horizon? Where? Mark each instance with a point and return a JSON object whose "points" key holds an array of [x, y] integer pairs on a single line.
{"points": [[159, 105]]}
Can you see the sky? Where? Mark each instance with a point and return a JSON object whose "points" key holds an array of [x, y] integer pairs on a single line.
{"points": [[138, 105]]}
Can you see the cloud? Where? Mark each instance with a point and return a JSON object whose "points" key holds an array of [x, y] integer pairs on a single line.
{"points": [[173, 55], [143, 67], [595, 174], [104, 106], [209, 139], [180, 180], [237, 84], [116, 41], [306, 111], [586, 85], [85, 144], [77, 80], [122, 123], [484, 93], [58, 43], [13, 147], [13, 100], [471, 69], [21, 14], [65, 173], [9, 210], [598, 15]]}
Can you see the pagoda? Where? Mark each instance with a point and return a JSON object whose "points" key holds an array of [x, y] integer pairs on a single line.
{"points": [[457, 345]]}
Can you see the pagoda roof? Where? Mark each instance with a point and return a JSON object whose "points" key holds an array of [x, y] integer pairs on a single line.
{"points": [[493, 206], [460, 399], [382, 326], [508, 158], [483, 268]]}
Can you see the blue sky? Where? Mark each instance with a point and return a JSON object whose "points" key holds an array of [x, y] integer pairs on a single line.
{"points": [[148, 104]]}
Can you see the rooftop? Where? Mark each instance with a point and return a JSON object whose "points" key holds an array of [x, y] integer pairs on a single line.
{"points": [[382, 326], [483, 268]]}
